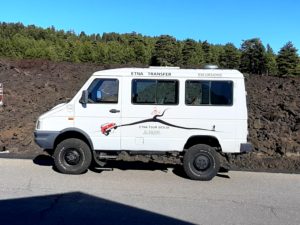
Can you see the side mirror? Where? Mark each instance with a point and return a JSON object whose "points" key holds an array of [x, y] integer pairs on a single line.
{"points": [[84, 97], [99, 96]]}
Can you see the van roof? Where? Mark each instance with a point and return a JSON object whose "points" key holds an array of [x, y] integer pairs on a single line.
{"points": [[170, 72]]}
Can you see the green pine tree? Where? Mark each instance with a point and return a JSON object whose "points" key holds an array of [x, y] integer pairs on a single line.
{"points": [[165, 52], [230, 57], [271, 64], [192, 54], [287, 60], [253, 57]]}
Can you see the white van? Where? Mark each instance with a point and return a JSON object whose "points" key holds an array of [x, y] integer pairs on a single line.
{"points": [[197, 113]]}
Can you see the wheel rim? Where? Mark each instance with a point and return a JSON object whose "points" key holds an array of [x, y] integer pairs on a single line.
{"points": [[72, 157], [202, 162]]}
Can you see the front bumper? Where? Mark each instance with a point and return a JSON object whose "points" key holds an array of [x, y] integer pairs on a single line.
{"points": [[246, 147], [45, 139]]}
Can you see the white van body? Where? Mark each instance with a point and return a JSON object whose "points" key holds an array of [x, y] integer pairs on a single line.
{"points": [[1, 94], [135, 121]]}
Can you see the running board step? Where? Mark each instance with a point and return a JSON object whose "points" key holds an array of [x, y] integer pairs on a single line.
{"points": [[104, 156]]}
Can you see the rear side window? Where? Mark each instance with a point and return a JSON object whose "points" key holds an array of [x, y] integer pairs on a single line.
{"points": [[208, 92], [155, 92]]}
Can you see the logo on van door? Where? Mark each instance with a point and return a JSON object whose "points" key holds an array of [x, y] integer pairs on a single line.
{"points": [[156, 111], [108, 127]]}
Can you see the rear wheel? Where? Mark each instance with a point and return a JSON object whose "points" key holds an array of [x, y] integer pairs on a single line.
{"points": [[72, 156], [201, 162]]}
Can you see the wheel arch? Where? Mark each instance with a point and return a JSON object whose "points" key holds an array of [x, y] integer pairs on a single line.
{"points": [[73, 133], [203, 139]]}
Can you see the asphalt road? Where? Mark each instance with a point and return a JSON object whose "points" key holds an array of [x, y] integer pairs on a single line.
{"points": [[31, 192]]}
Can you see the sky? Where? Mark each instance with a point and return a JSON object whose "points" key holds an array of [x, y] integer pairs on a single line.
{"points": [[275, 22]]}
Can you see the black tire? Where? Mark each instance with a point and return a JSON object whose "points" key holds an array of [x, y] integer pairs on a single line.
{"points": [[72, 156], [201, 162]]}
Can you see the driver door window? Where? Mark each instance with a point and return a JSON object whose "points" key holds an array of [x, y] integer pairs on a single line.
{"points": [[103, 91]]}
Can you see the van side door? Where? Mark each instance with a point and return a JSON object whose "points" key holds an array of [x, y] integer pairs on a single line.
{"points": [[150, 112], [102, 113]]}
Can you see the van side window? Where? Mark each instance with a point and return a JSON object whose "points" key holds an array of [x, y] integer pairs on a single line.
{"points": [[208, 92], [155, 92], [103, 91]]}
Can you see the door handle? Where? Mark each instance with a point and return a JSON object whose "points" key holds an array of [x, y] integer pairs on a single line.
{"points": [[114, 111]]}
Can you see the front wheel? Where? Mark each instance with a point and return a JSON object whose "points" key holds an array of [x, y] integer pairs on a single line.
{"points": [[72, 156], [201, 162]]}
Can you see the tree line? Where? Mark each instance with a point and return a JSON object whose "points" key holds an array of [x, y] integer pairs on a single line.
{"points": [[30, 42]]}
